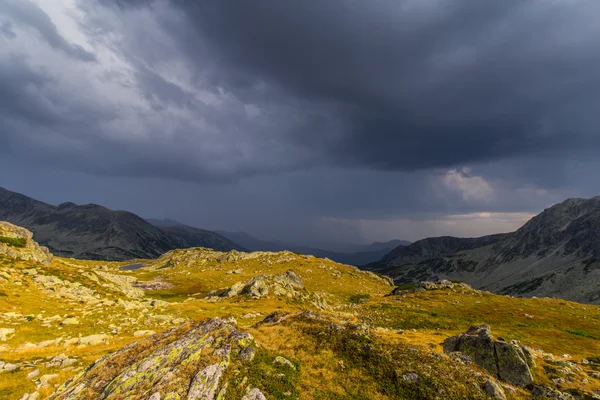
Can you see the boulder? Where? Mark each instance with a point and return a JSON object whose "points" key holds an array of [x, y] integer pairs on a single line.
{"points": [[544, 392], [6, 333], [254, 394], [494, 390], [507, 361], [187, 362]]}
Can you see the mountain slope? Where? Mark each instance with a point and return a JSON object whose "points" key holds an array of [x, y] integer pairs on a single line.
{"points": [[189, 236], [557, 253], [95, 232]]}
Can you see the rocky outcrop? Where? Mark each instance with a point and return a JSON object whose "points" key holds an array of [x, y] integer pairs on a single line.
{"points": [[505, 360], [188, 362], [17, 243], [288, 284]]}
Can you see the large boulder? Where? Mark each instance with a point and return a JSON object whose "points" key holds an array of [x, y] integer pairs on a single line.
{"points": [[17, 243], [507, 361], [189, 362]]}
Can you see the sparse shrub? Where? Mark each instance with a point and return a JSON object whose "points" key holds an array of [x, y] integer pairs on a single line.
{"points": [[14, 242], [3, 294], [359, 298]]}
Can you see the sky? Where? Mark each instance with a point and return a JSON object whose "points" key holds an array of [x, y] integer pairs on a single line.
{"points": [[313, 121]]}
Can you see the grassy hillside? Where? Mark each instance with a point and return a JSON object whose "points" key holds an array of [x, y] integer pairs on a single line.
{"points": [[58, 318]]}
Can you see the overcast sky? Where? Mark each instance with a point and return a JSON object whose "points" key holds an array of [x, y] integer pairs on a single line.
{"points": [[307, 121]]}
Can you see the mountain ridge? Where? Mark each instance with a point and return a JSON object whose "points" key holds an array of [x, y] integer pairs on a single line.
{"points": [[556, 253], [92, 231]]}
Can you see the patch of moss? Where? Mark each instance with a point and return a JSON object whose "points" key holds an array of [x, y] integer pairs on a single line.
{"points": [[579, 332]]}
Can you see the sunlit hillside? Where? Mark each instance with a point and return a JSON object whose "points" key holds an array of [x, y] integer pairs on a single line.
{"points": [[302, 328]]}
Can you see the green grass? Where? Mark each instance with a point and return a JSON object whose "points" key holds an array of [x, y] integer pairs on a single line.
{"points": [[581, 333], [359, 298], [407, 286], [14, 242]]}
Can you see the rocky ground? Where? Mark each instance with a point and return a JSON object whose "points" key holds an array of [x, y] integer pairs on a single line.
{"points": [[201, 324]]}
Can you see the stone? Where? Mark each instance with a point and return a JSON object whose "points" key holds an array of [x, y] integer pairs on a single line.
{"points": [[10, 367], [92, 340], [6, 333], [33, 374], [507, 361], [494, 390], [412, 377], [284, 361], [254, 394], [544, 392], [205, 383], [70, 321], [248, 353], [143, 333]]}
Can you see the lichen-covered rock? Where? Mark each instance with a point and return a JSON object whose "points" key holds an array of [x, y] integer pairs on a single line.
{"points": [[188, 362], [494, 390], [507, 361], [548, 393], [254, 394], [18, 244]]}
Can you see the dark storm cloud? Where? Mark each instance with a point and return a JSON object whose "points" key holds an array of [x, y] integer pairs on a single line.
{"points": [[28, 13], [391, 85], [421, 84], [284, 112]]}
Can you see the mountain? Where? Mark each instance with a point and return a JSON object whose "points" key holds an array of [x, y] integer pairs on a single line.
{"points": [[95, 232], [188, 236], [556, 253], [375, 246], [356, 255], [164, 222], [252, 243], [202, 324]]}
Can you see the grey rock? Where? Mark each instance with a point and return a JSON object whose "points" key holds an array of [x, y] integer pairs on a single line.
{"points": [[205, 383], [284, 361], [254, 394], [548, 393], [504, 360], [412, 377], [494, 390]]}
